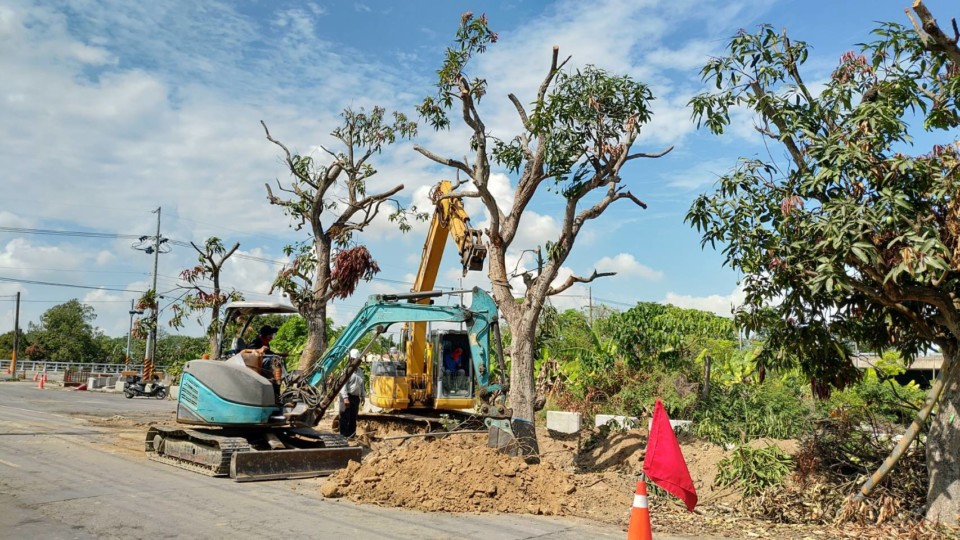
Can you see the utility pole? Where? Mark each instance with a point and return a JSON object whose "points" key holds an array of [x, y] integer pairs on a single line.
{"points": [[133, 311], [590, 303], [16, 337], [151, 350]]}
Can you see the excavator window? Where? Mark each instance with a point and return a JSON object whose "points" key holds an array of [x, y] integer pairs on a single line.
{"points": [[455, 366]]}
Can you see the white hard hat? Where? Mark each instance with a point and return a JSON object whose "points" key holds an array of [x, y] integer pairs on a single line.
{"points": [[354, 353], [393, 350]]}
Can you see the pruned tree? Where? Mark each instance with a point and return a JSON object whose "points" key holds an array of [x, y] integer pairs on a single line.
{"points": [[842, 233], [203, 290], [332, 201], [575, 138]]}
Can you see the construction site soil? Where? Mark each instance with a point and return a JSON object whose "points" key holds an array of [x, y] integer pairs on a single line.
{"points": [[589, 475]]}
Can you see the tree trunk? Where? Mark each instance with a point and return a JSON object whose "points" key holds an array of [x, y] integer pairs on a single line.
{"points": [[316, 343], [316, 312], [213, 331], [522, 388], [943, 450]]}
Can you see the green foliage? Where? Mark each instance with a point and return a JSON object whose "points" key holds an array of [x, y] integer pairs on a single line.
{"points": [[6, 343], [850, 239], [640, 390], [66, 333], [473, 37], [744, 412], [587, 112], [292, 335], [200, 297], [877, 394], [752, 470], [650, 332], [175, 351]]}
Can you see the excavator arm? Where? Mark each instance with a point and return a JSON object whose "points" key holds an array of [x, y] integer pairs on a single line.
{"points": [[331, 372], [449, 219]]}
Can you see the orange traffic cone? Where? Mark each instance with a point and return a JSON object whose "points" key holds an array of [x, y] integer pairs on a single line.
{"points": [[640, 515], [35, 376], [42, 380]]}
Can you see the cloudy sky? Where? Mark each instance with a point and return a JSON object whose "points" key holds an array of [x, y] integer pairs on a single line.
{"points": [[112, 109]]}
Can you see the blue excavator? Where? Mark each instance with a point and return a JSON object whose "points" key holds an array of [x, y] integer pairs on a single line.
{"points": [[237, 419]]}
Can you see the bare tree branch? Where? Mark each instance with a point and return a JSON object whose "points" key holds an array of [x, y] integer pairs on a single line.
{"points": [[938, 41], [577, 279], [289, 158], [645, 155], [449, 162], [520, 111]]}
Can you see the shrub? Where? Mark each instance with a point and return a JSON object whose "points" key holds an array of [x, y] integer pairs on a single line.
{"points": [[878, 396], [744, 412], [752, 470]]}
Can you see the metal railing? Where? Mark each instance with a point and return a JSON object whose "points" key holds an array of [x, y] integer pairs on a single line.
{"points": [[40, 365]]}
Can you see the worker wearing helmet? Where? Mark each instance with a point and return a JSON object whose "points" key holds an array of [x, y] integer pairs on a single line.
{"points": [[351, 396]]}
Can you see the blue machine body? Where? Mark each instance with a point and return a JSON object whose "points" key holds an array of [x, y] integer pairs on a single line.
{"points": [[198, 404]]}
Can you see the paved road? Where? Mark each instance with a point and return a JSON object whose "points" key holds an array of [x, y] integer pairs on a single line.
{"points": [[62, 477]]}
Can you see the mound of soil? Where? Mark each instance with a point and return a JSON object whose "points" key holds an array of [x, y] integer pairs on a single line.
{"points": [[455, 474]]}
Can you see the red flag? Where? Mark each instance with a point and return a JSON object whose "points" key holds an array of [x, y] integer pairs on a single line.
{"points": [[664, 463]]}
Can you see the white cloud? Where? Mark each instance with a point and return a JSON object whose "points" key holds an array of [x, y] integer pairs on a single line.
{"points": [[626, 265], [104, 258], [717, 303]]}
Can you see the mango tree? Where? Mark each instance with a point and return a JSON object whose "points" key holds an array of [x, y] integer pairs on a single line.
{"points": [[575, 138], [850, 229], [330, 198], [203, 289]]}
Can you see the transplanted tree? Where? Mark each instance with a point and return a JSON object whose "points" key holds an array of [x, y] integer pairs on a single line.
{"points": [[575, 139], [203, 288], [331, 199], [855, 233]]}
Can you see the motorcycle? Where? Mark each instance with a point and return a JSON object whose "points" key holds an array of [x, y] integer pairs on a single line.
{"points": [[133, 386]]}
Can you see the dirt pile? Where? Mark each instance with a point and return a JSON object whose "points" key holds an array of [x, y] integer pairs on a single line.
{"points": [[455, 474]]}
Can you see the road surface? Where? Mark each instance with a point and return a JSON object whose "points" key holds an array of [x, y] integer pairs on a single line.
{"points": [[65, 473]]}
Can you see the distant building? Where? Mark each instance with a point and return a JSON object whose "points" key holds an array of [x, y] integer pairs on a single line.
{"points": [[923, 370]]}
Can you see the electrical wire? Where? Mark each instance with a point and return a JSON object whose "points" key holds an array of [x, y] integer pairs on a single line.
{"points": [[54, 284]]}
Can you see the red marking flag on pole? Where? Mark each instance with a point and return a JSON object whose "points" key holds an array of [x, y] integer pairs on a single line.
{"points": [[664, 463]]}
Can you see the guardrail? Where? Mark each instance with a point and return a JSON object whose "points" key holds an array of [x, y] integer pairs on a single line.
{"points": [[40, 365]]}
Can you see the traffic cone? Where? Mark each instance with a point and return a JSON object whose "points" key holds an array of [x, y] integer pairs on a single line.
{"points": [[36, 376], [640, 515], [41, 381]]}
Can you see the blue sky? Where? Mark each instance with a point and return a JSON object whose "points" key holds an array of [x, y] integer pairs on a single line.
{"points": [[114, 108]]}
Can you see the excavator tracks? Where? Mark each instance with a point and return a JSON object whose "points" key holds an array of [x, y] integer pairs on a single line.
{"points": [[193, 450], [271, 454]]}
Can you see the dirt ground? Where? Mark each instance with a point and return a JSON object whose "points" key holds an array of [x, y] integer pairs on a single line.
{"points": [[592, 475]]}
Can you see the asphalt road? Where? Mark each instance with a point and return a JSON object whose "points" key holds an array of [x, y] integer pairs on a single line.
{"points": [[64, 477]]}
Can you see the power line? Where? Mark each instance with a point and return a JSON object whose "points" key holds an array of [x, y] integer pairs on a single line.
{"points": [[53, 284], [62, 301], [83, 234], [73, 270]]}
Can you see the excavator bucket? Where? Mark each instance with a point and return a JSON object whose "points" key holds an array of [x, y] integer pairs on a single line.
{"points": [[290, 463]]}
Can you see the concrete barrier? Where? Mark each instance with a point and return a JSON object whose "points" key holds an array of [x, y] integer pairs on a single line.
{"points": [[563, 422]]}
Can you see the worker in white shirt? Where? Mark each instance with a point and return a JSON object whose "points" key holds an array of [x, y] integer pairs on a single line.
{"points": [[351, 396]]}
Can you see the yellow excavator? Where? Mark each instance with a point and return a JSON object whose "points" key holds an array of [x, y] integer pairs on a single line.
{"points": [[436, 371]]}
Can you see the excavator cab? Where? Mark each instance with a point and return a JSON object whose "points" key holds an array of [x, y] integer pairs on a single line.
{"points": [[454, 371]]}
